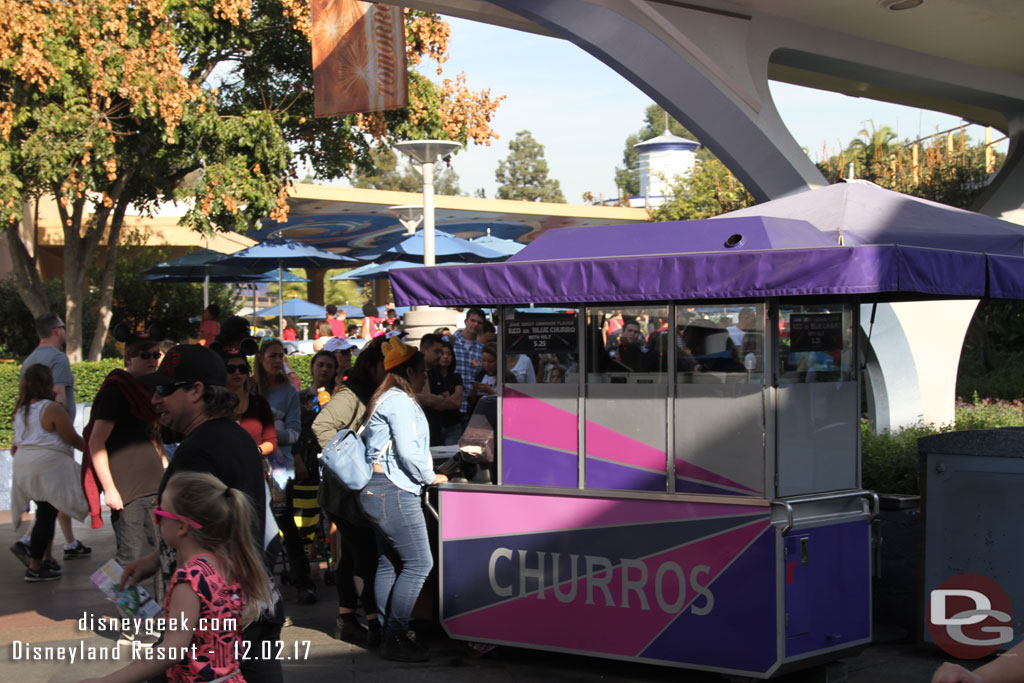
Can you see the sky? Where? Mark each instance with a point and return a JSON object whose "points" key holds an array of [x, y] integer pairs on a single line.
{"points": [[581, 111]]}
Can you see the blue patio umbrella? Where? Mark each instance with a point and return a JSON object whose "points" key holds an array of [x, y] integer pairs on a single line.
{"points": [[507, 247], [373, 271], [293, 308], [197, 266], [350, 311], [447, 249], [233, 276], [283, 254]]}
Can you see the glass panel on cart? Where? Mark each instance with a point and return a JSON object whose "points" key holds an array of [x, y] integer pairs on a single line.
{"points": [[720, 344], [540, 396], [627, 345], [815, 343], [818, 400], [625, 438], [719, 408]]}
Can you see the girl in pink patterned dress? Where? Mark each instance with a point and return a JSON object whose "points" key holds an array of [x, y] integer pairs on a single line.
{"points": [[216, 590]]}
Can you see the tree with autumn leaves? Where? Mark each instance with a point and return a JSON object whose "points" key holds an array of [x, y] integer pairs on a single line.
{"points": [[114, 104]]}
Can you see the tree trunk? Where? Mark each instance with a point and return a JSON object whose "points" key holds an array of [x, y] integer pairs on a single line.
{"points": [[315, 286], [106, 310], [26, 278], [79, 250]]}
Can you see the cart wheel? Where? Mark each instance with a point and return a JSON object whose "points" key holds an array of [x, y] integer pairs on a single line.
{"points": [[478, 650]]}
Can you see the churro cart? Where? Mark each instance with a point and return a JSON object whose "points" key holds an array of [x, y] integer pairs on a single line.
{"points": [[680, 482]]}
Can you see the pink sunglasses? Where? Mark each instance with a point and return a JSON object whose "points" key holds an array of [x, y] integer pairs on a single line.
{"points": [[158, 513]]}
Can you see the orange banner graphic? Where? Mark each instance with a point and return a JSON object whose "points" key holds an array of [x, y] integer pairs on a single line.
{"points": [[358, 57]]}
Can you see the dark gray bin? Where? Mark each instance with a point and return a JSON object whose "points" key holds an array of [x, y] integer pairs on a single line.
{"points": [[972, 500]]}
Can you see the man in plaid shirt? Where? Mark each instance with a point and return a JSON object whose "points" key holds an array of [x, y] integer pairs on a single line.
{"points": [[467, 355]]}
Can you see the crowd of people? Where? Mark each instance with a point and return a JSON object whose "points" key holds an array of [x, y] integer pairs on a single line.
{"points": [[197, 451], [182, 427]]}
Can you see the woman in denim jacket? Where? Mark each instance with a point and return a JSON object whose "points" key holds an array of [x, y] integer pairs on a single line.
{"points": [[398, 443]]}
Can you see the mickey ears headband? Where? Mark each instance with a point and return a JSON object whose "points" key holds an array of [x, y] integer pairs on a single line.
{"points": [[246, 347], [154, 333]]}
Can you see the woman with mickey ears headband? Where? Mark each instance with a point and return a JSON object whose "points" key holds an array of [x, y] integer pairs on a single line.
{"points": [[398, 444], [124, 456]]}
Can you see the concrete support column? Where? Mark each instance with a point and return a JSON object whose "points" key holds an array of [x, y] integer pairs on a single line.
{"points": [[424, 320]]}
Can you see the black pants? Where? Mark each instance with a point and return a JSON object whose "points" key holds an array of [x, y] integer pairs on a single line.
{"points": [[298, 563], [263, 670], [42, 531], [358, 558]]}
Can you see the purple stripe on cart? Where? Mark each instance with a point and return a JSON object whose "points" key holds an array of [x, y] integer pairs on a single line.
{"points": [[691, 471], [689, 486], [610, 475], [531, 465]]}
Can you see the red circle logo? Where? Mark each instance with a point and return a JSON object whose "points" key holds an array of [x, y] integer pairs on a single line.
{"points": [[970, 616]]}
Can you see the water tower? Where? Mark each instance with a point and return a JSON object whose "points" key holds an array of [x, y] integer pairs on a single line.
{"points": [[661, 159]]}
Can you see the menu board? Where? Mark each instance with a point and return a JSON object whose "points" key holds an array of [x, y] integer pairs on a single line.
{"points": [[810, 332], [541, 333]]}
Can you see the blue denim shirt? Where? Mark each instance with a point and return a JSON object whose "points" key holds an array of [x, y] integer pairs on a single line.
{"points": [[407, 463]]}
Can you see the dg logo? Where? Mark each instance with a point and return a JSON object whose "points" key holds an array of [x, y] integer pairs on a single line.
{"points": [[970, 616]]}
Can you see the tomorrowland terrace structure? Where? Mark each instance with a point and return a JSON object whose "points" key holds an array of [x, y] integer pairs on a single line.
{"points": [[694, 500]]}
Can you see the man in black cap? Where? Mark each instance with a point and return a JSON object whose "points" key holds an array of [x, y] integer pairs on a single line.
{"points": [[191, 398]]}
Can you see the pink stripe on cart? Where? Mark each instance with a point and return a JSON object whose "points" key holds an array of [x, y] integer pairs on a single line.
{"points": [[469, 514]]}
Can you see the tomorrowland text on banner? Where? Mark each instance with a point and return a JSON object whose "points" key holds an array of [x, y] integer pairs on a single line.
{"points": [[358, 57]]}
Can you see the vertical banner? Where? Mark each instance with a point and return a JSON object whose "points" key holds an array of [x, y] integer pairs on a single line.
{"points": [[358, 57]]}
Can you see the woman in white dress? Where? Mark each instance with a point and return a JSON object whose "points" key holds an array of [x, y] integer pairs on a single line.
{"points": [[44, 468]]}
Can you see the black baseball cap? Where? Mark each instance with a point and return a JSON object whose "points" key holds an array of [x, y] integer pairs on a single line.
{"points": [[188, 363]]}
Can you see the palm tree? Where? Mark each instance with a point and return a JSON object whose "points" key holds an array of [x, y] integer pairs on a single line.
{"points": [[870, 151]]}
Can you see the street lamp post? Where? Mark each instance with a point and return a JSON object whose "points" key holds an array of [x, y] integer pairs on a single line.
{"points": [[409, 215], [427, 153]]}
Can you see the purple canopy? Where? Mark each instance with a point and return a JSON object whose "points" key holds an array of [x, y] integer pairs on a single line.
{"points": [[854, 239]]}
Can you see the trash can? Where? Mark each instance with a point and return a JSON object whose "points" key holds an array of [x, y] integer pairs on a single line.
{"points": [[972, 489]]}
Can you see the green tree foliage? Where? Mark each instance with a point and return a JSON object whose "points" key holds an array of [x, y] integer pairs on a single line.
{"points": [[708, 190], [950, 168], [387, 174], [112, 104], [626, 177], [176, 306], [524, 172]]}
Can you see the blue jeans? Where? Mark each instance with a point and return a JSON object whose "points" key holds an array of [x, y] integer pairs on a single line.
{"points": [[403, 551]]}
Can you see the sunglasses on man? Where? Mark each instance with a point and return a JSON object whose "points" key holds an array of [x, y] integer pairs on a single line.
{"points": [[165, 390]]}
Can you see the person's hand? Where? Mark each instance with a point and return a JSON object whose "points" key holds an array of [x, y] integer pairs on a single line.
{"points": [[439, 479], [140, 570], [113, 499], [954, 673]]}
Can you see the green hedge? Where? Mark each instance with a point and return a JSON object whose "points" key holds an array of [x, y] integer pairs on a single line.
{"points": [[88, 378], [890, 461]]}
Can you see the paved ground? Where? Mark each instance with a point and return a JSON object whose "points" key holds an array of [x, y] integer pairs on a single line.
{"points": [[47, 614]]}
